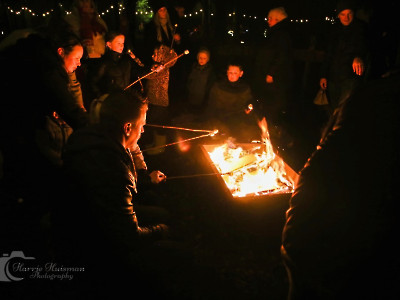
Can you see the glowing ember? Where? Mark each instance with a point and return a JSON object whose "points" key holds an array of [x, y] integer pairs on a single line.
{"points": [[256, 170]]}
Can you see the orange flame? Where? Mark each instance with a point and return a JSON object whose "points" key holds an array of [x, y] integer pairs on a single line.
{"points": [[254, 171]]}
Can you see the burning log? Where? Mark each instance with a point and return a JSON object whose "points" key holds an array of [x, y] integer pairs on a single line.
{"points": [[251, 170], [248, 171]]}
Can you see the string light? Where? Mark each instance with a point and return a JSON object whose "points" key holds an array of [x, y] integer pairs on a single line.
{"points": [[27, 10], [147, 12], [121, 8]]}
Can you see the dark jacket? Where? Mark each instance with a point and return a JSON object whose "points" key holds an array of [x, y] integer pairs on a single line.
{"points": [[227, 98], [100, 183], [226, 108], [37, 84], [151, 41], [115, 71], [343, 213], [344, 44], [199, 83], [275, 56]]}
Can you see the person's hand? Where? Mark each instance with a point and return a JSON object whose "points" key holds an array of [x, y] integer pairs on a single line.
{"points": [[157, 177], [323, 83], [248, 109], [269, 79], [358, 66], [131, 54], [160, 68], [163, 230]]}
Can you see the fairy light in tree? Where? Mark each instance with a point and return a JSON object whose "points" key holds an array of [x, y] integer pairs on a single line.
{"points": [[121, 8], [143, 11]]}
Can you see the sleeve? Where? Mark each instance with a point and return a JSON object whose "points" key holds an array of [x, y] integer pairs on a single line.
{"points": [[63, 101], [361, 41], [111, 194], [76, 89], [138, 158], [282, 54], [138, 69], [328, 53]]}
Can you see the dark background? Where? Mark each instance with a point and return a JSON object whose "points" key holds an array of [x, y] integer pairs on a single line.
{"points": [[235, 245]]}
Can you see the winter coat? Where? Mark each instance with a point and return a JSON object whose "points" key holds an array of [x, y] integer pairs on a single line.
{"points": [[36, 86], [156, 87], [228, 98], [226, 108], [151, 41], [275, 56], [199, 83], [115, 71], [100, 183], [344, 44], [344, 210]]}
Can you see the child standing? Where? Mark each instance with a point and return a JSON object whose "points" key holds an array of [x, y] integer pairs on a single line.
{"points": [[199, 82]]}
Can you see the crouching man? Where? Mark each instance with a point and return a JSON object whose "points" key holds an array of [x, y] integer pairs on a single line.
{"points": [[96, 223]]}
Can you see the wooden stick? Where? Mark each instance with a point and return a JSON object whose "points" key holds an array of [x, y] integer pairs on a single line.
{"points": [[174, 143], [181, 128], [172, 42], [175, 58]]}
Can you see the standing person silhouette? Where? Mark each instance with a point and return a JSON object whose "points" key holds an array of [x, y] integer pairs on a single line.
{"points": [[346, 56], [274, 66], [343, 213]]}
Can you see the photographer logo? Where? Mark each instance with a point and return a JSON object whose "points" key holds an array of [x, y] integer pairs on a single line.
{"points": [[16, 267]]}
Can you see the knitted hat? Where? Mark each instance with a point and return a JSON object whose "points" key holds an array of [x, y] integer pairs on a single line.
{"points": [[345, 4], [157, 4]]}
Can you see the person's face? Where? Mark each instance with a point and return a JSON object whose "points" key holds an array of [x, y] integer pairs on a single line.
{"points": [[86, 6], [271, 20], [136, 130], [202, 58], [72, 60], [162, 12], [346, 17], [234, 73], [117, 44]]}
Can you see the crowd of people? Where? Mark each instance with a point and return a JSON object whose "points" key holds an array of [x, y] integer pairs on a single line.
{"points": [[76, 101]]}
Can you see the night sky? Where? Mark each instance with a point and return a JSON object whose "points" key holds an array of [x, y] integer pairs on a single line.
{"points": [[384, 10]]}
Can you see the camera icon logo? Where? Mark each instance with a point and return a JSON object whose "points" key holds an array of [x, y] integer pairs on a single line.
{"points": [[5, 274]]}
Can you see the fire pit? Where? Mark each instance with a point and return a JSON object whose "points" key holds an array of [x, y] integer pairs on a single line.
{"points": [[250, 171]]}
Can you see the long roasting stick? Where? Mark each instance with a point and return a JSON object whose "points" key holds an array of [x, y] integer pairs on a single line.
{"points": [[192, 176], [173, 34], [181, 128], [138, 80], [174, 143], [175, 58], [209, 174]]}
